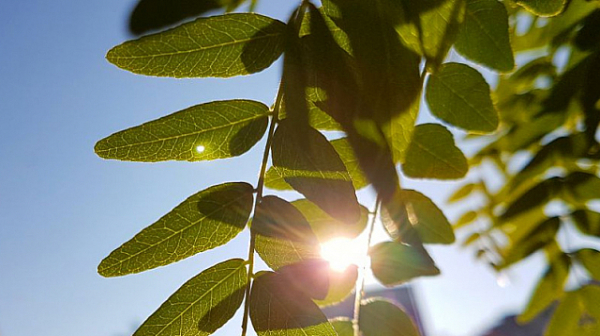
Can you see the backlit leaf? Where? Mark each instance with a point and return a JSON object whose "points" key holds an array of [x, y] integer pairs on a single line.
{"points": [[204, 221], [543, 7], [467, 218], [460, 96], [219, 46], [202, 305], [462, 192], [542, 236], [208, 131], [535, 197], [423, 215], [379, 317], [343, 326], [577, 314], [310, 164], [341, 284], [483, 37], [325, 227], [590, 259], [433, 154], [276, 309], [283, 236], [549, 288], [395, 263]]}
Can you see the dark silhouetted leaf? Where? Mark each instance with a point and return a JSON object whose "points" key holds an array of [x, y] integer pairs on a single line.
{"points": [[343, 326], [341, 285], [154, 14], [462, 192], [587, 37], [422, 214], [325, 227], [459, 95], [283, 236], [433, 154], [587, 221], [543, 7], [204, 221], [219, 46], [309, 163], [549, 288], [483, 37], [311, 276], [276, 309], [394, 263], [208, 131], [202, 305], [383, 318], [590, 259]]}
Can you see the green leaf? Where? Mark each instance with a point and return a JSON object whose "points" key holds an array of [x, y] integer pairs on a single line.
{"points": [[460, 96], [343, 326], [154, 14], [543, 7], [310, 164], [310, 276], [379, 317], [202, 305], [577, 314], [208, 131], [274, 180], [590, 259], [462, 192], [582, 187], [204, 221], [587, 221], [394, 263], [533, 198], [433, 154], [483, 37], [325, 227], [283, 236], [219, 46], [543, 235], [341, 285], [549, 288], [430, 27], [421, 213], [276, 309]]}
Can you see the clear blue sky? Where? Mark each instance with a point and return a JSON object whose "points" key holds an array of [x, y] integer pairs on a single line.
{"points": [[62, 209]]}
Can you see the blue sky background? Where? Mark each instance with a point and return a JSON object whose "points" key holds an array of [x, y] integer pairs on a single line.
{"points": [[62, 209]]}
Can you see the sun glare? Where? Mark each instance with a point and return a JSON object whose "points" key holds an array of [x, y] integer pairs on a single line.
{"points": [[340, 253], [200, 149]]}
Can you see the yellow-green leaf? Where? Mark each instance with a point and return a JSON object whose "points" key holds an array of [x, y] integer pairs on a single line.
{"points": [[543, 7], [341, 285], [460, 96], [310, 164], [202, 305], [204, 221], [379, 317], [433, 154], [343, 326], [395, 263], [483, 37], [283, 236], [278, 309], [208, 131], [219, 46], [590, 259]]}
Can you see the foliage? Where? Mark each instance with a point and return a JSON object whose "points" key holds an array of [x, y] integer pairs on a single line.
{"points": [[360, 67]]}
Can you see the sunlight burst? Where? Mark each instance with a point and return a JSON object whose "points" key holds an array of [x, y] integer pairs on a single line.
{"points": [[200, 149], [340, 253]]}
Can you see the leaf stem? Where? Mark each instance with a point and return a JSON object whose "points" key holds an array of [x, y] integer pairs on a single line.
{"points": [[360, 284], [259, 194]]}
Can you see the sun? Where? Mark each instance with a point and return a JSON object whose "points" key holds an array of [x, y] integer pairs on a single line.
{"points": [[340, 253]]}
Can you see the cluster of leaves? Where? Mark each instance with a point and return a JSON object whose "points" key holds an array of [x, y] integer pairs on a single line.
{"points": [[358, 67], [546, 155]]}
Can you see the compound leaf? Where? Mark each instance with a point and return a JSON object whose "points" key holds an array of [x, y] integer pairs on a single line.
{"points": [[394, 263], [483, 37], [460, 96], [219, 46], [204, 221], [382, 318], [283, 236], [277, 309], [202, 305], [433, 154], [208, 131]]}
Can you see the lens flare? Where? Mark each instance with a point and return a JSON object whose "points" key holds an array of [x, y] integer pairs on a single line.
{"points": [[340, 253]]}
